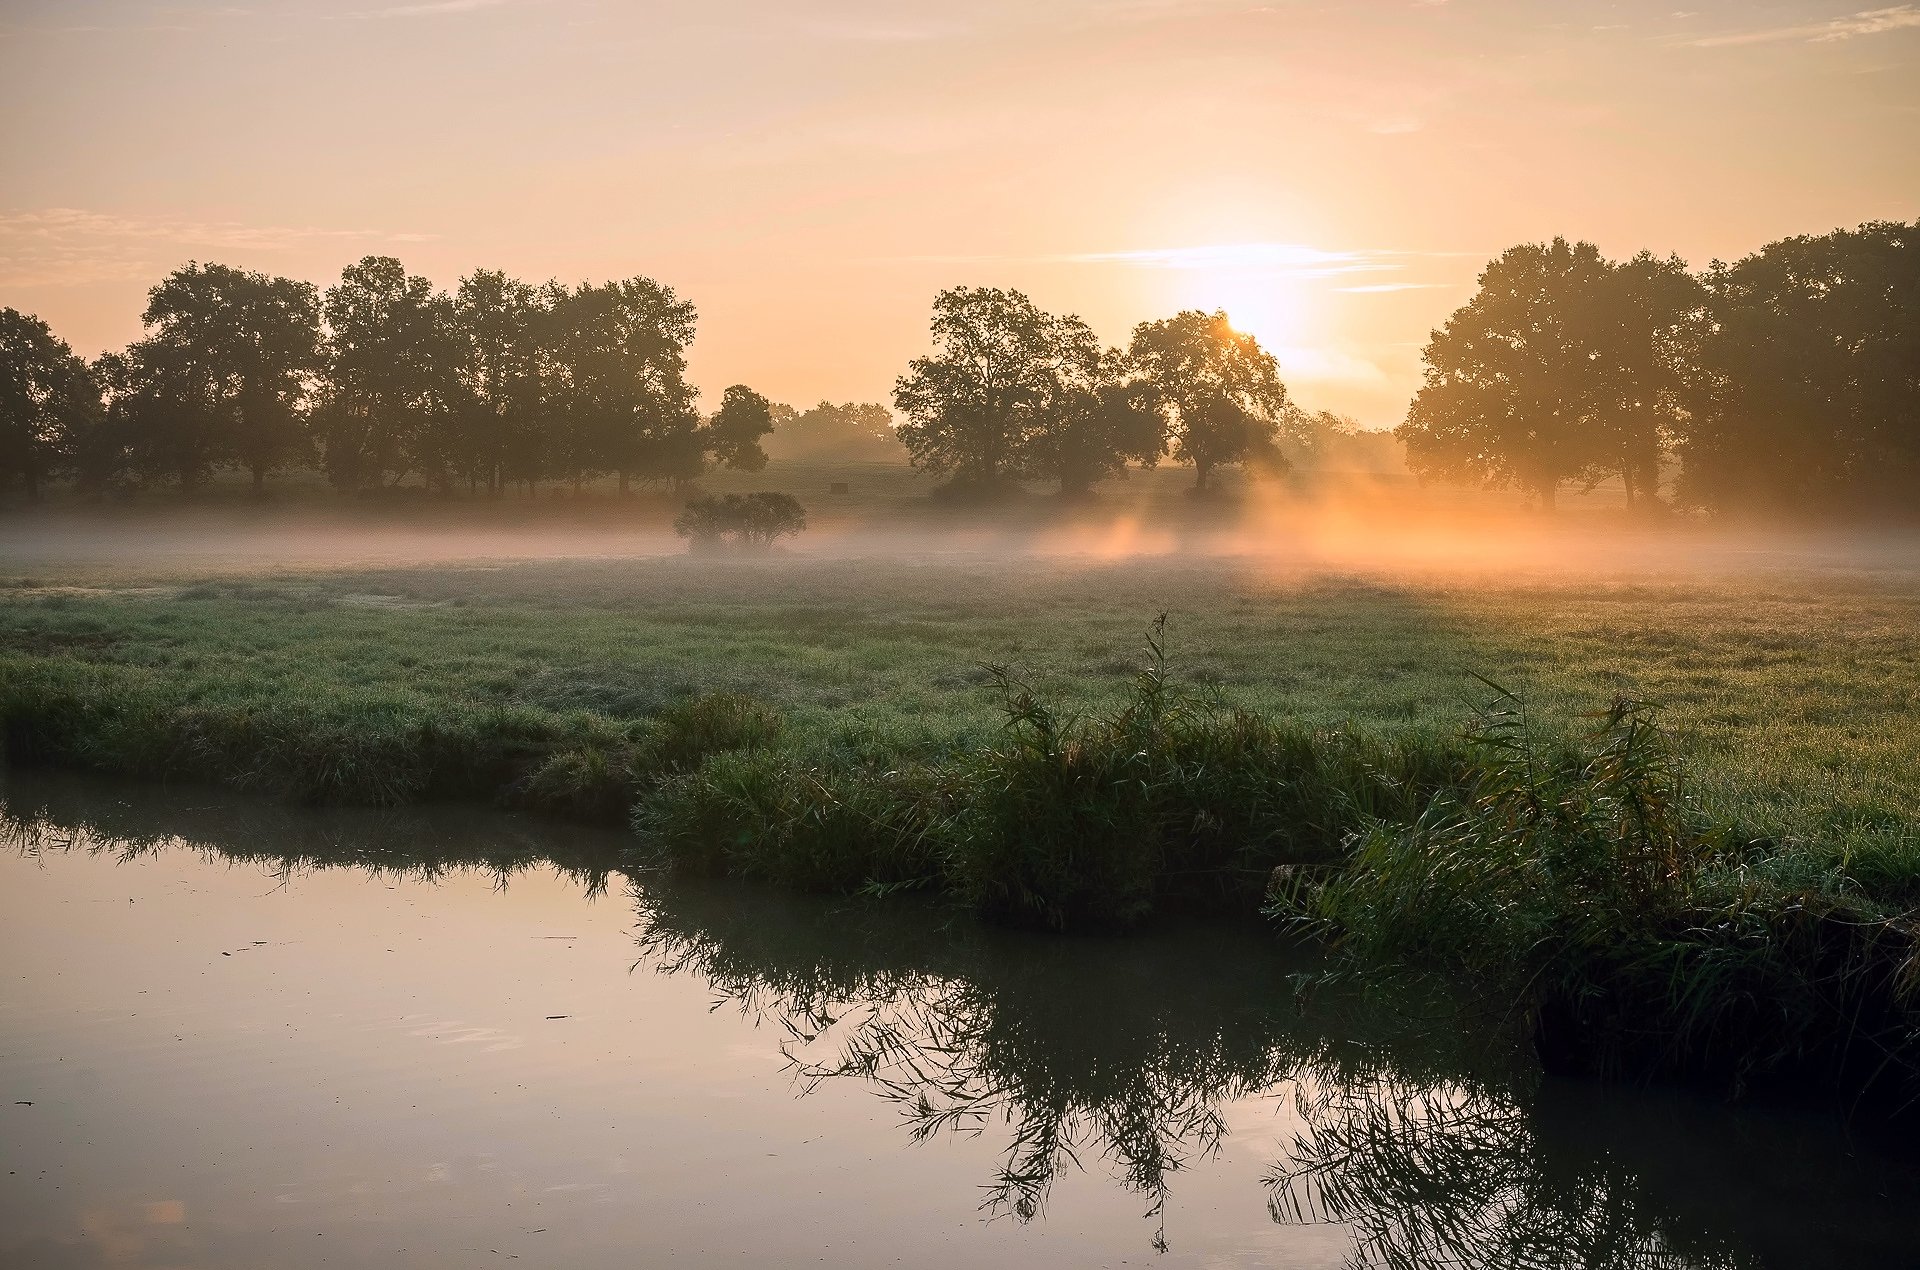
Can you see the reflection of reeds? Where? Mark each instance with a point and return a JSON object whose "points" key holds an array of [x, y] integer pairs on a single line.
{"points": [[1445, 1175], [1119, 1060], [1418, 1128]]}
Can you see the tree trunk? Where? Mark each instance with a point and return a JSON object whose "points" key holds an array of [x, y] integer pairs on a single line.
{"points": [[1201, 471], [1549, 490], [32, 478], [259, 480], [623, 482]]}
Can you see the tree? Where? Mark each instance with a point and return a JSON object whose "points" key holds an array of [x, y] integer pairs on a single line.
{"points": [[393, 393], [501, 325], [1652, 324], [1808, 398], [969, 406], [732, 435], [166, 409], [1515, 381], [1217, 389], [625, 404], [745, 522], [1093, 417], [48, 401], [241, 349]]}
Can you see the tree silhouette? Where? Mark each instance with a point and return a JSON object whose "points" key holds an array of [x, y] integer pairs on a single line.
{"points": [[732, 435], [502, 329], [1093, 418], [1218, 390], [241, 348], [744, 522], [624, 404], [969, 405], [48, 401], [850, 431], [392, 396], [1513, 383], [1809, 396]]}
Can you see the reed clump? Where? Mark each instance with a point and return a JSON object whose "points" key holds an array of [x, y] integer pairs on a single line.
{"points": [[1583, 886]]}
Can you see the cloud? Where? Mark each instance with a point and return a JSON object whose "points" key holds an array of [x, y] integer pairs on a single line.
{"points": [[1296, 259], [1866, 22], [1373, 287], [67, 246], [429, 9]]}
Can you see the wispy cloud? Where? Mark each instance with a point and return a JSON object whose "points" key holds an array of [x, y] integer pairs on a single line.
{"points": [[58, 246], [1866, 22], [1296, 259], [1373, 287], [430, 9]]}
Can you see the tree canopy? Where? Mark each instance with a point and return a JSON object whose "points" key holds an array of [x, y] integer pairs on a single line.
{"points": [[1218, 391], [48, 400]]}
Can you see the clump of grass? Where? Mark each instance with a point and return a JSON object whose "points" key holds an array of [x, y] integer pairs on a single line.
{"points": [[1643, 937], [683, 735], [814, 825], [1171, 801]]}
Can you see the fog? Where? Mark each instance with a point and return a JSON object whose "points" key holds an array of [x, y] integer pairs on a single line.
{"points": [[1355, 526]]}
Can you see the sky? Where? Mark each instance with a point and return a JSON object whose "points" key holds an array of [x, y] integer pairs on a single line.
{"points": [[1334, 175]]}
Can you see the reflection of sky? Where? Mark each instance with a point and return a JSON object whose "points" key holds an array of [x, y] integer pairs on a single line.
{"points": [[379, 1073], [811, 174]]}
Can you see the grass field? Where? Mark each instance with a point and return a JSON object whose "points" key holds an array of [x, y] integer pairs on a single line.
{"points": [[1795, 687]]}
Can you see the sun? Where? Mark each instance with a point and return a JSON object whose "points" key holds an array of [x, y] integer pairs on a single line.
{"points": [[1273, 308]]}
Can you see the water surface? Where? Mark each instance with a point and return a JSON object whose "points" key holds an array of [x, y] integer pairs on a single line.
{"points": [[235, 1035]]}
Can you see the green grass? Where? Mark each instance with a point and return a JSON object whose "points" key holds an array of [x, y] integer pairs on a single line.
{"points": [[1797, 695]]}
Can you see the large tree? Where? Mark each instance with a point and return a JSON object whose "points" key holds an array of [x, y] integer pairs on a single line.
{"points": [[1809, 397], [48, 401], [733, 433], [241, 348], [1652, 323], [501, 326], [970, 404], [624, 402], [1217, 389], [393, 394], [1516, 382], [1093, 417]]}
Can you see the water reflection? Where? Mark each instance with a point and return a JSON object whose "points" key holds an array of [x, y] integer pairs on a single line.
{"points": [[1424, 1138], [1425, 1134]]}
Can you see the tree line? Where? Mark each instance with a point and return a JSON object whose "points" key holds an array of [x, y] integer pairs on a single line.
{"points": [[1787, 382], [381, 378]]}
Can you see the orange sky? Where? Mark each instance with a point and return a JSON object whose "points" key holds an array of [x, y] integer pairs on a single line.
{"points": [[1334, 174]]}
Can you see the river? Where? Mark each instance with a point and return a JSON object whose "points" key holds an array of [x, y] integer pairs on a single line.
{"points": [[234, 1034]]}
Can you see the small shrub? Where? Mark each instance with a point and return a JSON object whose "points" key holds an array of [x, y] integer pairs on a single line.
{"points": [[749, 522]]}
